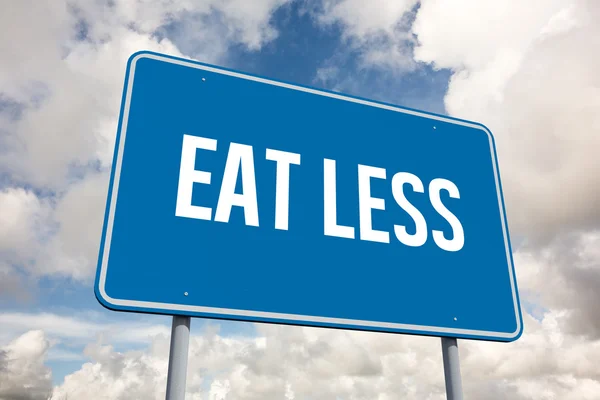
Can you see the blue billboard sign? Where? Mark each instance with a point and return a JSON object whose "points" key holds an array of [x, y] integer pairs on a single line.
{"points": [[239, 197]]}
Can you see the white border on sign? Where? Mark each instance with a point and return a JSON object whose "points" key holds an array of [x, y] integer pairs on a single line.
{"points": [[280, 316]]}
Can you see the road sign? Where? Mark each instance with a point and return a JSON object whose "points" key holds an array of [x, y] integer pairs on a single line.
{"points": [[235, 196]]}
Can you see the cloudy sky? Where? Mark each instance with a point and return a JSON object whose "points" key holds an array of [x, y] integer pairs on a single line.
{"points": [[526, 69]]}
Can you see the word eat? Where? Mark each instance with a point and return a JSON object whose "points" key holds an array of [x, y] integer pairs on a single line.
{"points": [[240, 160]]}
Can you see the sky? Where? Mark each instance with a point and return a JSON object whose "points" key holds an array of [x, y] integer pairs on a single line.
{"points": [[527, 70]]}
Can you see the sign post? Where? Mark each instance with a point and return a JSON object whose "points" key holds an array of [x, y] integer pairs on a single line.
{"points": [[178, 358], [452, 369], [304, 207]]}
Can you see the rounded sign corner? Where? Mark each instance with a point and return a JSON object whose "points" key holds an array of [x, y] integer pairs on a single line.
{"points": [[508, 337], [134, 57], [487, 131], [103, 298], [517, 334], [519, 331], [512, 337]]}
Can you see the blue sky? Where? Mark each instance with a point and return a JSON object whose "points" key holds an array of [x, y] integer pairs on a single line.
{"points": [[304, 46]]}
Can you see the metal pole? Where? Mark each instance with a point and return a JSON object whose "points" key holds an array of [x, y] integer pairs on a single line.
{"points": [[178, 358], [452, 369]]}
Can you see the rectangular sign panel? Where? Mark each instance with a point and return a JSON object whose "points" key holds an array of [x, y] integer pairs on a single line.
{"points": [[238, 197]]}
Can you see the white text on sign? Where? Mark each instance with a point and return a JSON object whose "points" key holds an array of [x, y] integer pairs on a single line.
{"points": [[240, 161]]}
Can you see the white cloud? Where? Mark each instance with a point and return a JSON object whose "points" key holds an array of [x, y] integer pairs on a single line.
{"points": [[377, 31], [293, 362], [72, 250], [31, 44], [23, 375], [564, 276], [80, 328], [361, 20], [451, 37], [525, 69], [24, 223], [22, 219], [71, 122], [12, 285], [251, 20], [42, 236]]}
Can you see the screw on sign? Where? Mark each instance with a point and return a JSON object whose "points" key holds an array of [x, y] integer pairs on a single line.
{"points": [[221, 176]]}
